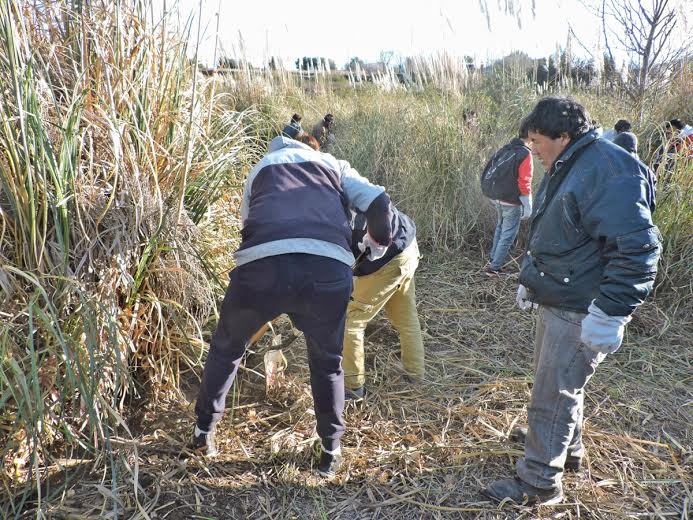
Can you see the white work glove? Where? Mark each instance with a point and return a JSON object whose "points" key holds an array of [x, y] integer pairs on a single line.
{"points": [[376, 250], [602, 333], [526, 201], [522, 299]]}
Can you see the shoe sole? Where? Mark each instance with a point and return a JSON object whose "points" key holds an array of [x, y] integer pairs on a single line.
{"points": [[551, 502], [188, 453], [498, 273]]}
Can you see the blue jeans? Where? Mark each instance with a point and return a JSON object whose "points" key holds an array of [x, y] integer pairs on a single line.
{"points": [[562, 368], [314, 291], [506, 231]]}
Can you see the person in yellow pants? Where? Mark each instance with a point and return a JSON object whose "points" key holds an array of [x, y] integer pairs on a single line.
{"points": [[385, 283]]}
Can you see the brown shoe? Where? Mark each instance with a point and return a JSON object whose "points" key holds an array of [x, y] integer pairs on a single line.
{"points": [[490, 271]]}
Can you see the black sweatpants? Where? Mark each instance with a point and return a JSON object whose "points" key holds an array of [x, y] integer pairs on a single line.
{"points": [[314, 291]]}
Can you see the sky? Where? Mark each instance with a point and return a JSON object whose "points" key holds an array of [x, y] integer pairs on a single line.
{"points": [[364, 28]]}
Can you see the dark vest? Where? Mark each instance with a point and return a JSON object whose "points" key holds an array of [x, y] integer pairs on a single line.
{"points": [[296, 200]]}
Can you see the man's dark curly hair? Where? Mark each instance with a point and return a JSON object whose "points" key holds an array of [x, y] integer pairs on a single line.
{"points": [[554, 116]]}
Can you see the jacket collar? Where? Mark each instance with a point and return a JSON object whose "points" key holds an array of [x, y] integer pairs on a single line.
{"points": [[580, 143], [280, 142]]}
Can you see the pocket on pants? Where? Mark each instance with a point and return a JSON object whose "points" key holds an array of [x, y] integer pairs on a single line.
{"points": [[333, 289], [328, 286], [357, 307], [408, 268], [329, 299], [574, 318], [262, 275]]}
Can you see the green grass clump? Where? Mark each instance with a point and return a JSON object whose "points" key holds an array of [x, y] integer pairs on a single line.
{"points": [[110, 168]]}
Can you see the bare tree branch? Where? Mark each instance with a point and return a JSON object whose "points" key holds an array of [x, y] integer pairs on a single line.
{"points": [[644, 29]]}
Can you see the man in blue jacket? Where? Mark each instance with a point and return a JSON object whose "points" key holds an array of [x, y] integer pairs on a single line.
{"points": [[591, 261], [295, 258]]}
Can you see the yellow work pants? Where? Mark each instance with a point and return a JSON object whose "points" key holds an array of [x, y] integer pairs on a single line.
{"points": [[391, 287]]}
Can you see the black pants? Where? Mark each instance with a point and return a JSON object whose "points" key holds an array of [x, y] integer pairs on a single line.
{"points": [[314, 291]]}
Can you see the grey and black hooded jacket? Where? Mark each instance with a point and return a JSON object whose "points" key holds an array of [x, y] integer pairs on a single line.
{"points": [[592, 235], [403, 235]]}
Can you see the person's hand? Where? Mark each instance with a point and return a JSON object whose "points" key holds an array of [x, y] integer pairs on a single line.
{"points": [[376, 250], [602, 333], [523, 301], [526, 201]]}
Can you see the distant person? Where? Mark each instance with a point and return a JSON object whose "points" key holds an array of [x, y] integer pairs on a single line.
{"points": [[686, 137], [542, 75], [665, 155], [295, 258], [610, 134], [507, 182], [323, 132], [625, 138], [591, 260], [293, 129], [470, 118], [676, 124], [309, 140]]}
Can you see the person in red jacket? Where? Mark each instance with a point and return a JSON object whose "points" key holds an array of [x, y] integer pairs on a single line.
{"points": [[507, 181]]}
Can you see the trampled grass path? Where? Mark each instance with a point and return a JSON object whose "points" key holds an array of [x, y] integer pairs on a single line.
{"points": [[425, 451]]}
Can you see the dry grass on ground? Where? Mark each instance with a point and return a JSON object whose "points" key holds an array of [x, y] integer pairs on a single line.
{"points": [[424, 452]]}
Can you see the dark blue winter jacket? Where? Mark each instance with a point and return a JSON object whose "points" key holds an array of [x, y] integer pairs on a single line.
{"points": [[592, 237]]}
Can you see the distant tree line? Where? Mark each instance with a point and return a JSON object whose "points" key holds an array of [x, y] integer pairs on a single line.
{"points": [[315, 63]]}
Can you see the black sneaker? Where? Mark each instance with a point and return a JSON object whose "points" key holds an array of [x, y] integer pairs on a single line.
{"points": [[572, 463], [522, 493], [329, 464], [354, 395], [203, 444]]}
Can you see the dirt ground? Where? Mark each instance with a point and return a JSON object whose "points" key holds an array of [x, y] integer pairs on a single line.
{"points": [[424, 451]]}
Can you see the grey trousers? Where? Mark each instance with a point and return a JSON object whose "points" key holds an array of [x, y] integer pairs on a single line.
{"points": [[562, 366]]}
